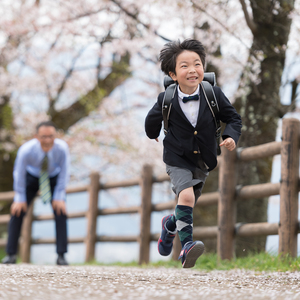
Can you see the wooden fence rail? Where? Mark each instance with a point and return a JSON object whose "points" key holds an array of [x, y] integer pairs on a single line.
{"points": [[226, 198]]}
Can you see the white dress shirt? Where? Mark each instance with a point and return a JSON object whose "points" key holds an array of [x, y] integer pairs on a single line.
{"points": [[191, 108], [29, 159]]}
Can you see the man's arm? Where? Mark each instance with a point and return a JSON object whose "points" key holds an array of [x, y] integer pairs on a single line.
{"points": [[59, 194], [19, 175], [63, 176]]}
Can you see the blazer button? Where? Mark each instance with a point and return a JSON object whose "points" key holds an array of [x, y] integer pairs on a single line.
{"points": [[195, 152], [195, 132]]}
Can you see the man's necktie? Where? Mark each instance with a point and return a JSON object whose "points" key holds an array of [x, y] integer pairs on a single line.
{"points": [[190, 98], [44, 182]]}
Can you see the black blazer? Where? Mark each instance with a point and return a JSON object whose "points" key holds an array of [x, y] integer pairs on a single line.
{"points": [[183, 140]]}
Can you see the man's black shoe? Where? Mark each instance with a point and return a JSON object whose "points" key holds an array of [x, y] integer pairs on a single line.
{"points": [[61, 261], [9, 259]]}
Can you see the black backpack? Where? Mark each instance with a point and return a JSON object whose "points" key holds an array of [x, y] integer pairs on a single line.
{"points": [[209, 80]]}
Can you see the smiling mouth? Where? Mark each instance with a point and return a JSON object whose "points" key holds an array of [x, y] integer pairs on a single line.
{"points": [[192, 78]]}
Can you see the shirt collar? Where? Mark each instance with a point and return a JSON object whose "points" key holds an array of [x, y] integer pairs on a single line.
{"points": [[181, 94]]}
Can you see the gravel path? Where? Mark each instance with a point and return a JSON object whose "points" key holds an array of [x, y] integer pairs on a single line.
{"points": [[24, 281]]}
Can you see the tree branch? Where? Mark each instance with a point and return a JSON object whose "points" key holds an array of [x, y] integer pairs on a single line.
{"points": [[86, 14], [89, 102], [52, 100], [284, 109], [217, 20], [133, 16], [295, 84], [251, 24], [56, 40]]}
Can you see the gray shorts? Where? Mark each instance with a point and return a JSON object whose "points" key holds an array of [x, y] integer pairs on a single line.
{"points": [[184, 178]]}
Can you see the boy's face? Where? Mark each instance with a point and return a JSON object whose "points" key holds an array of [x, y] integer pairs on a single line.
{"points": [[189, 71]]}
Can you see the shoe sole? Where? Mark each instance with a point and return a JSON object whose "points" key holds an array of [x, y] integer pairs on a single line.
{"points": [[193, 254]]}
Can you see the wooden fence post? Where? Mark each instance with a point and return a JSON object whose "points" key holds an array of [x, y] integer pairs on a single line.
{"points": [[289, 187], [226, 204], [145, 213], [25, 243], [92, 215]]}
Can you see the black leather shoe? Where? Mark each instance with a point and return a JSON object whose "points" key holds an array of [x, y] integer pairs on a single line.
{"points": [[61, 261], [9, 259]]}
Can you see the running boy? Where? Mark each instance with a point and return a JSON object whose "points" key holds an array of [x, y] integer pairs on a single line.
{"points": [[190, 148]]}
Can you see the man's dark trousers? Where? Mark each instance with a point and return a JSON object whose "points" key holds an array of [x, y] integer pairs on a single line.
{"points": [[15, 224]]}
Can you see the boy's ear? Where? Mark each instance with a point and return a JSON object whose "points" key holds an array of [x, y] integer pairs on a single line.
{"points": [[173, 76]]}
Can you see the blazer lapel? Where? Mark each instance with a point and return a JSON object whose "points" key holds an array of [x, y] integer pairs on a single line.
{"points": [[203, 104], [177, 107]]}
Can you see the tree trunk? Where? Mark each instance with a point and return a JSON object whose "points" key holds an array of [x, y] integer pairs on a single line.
{"points": [[7, 147], [260, 108], [7, 153]]}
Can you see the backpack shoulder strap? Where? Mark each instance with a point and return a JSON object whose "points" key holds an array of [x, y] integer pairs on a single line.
{"points": [[212, 103], [166, 104]]}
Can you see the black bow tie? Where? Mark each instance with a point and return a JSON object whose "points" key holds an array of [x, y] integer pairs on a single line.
{"points": [[190, 98]]}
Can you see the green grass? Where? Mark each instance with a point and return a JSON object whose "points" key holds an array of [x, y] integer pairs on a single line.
{"points": [[2, 253], [256, 262], [208, 262]]}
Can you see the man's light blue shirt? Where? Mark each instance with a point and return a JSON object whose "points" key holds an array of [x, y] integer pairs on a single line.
{"points": [[29, 159]]}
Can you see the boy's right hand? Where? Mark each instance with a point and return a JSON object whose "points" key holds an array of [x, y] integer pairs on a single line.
{"points": [[17, 208]]}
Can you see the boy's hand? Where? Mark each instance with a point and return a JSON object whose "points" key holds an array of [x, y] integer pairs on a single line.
{"points": [[229, 143], [156, 139]]}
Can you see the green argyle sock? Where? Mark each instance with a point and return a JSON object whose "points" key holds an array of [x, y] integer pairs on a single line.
{"points": [[184, 223]]}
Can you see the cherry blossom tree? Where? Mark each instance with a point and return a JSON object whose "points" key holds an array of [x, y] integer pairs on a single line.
{"points": [[59, 60], [91, 66]]}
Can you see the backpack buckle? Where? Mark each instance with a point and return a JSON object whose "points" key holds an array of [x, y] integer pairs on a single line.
{"points": [[218, 132]]}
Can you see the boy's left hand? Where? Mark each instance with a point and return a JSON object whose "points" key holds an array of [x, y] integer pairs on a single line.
{"points": [[229, 143]]}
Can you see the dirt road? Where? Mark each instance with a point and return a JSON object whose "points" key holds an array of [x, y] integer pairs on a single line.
{"points": [[94, 282]]}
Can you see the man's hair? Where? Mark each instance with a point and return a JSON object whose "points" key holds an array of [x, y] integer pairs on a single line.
{"points": [[168, 55], [45, 123]]}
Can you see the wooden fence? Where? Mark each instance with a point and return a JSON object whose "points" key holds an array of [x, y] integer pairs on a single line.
{"points": [[226, 198]]}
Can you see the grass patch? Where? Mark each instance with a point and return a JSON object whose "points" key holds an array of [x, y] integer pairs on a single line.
{"points": [[209, 262], [256, 262], [2, 253]]}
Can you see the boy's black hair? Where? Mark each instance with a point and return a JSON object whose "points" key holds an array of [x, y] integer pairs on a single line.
{"points": [[45, 123], [168, 55]]}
